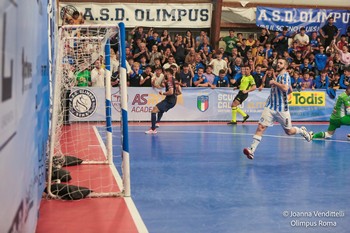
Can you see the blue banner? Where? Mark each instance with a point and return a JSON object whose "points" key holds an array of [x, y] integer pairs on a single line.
{"points": [[294, 18], [195, 104]]}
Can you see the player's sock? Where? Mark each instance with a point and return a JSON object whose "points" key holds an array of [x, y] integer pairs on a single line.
{"points": [[153, 119], [234, 114], [319, 135], [255, 143], [298, 130], [240, 111], [159, 116]]}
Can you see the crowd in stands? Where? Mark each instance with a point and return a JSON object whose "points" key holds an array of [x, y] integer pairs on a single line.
{"points": [[317, 60]]}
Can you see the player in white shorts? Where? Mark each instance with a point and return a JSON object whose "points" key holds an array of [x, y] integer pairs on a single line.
{"points": [[276, 109]]}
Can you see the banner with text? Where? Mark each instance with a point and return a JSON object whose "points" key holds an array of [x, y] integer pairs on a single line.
{"points": [[195, 104], [294, 18], [143, 14]]}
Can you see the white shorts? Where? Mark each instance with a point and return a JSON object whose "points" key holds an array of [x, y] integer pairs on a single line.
{"points": [[269, 116]]}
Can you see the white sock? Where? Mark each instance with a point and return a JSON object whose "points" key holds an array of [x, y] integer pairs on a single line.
{"points": [[255, 143], [298, 130], [327, 135]]}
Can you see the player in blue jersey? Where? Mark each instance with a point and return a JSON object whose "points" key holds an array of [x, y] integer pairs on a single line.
{"points": [[276, 109]]}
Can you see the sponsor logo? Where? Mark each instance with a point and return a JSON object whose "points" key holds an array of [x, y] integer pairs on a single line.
{"points": [[83, 103], [307, 98], [203, 103], [115, 99]]}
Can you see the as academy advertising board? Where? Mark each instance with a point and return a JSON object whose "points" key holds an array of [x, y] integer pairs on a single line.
{"points": [[294, 18], [144, 14], [195, 104]]}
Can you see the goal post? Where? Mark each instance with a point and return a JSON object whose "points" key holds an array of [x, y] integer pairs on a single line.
{"points": [[78, 49]]}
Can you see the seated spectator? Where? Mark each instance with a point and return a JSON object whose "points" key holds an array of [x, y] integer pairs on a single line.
{"points": [[287, 57], [322, 80], [295, 80], [205, 44], [345, 78], [158, 78], [330, 69], [342, 42], [198, 63], [146, 77], [221, 80], [209, 74], [199, 80], [191, 56], [98, 75], [135, 76], [306, 82], [186, 75]]}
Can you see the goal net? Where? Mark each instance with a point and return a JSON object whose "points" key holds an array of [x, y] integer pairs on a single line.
{"points": [[89, 60]]}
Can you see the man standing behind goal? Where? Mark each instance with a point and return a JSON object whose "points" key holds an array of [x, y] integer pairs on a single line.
{"points": [[98, 75], [276, 109]]}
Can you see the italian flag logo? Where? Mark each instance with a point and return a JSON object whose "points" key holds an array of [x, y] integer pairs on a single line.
{"points": [[203, 103]]}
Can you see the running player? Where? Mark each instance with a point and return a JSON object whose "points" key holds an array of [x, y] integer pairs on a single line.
{"points": [[171, 91], [340, 115], [276, 109], [247, 85]]}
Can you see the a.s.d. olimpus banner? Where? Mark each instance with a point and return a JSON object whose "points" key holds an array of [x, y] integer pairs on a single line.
{"points": [[294, 18], [195, 104], [168, 15]]}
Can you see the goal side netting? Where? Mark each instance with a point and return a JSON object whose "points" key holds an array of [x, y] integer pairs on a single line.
{"points": [[83, 152]]}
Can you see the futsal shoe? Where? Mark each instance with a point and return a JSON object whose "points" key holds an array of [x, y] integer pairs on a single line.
{"points": [[151, 131], [245, 118], [232, 123], [157, 125], [349, 136], [305, 134], [248, 152]]}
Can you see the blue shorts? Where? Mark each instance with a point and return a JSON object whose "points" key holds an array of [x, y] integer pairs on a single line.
{"points": [[164, 105]]}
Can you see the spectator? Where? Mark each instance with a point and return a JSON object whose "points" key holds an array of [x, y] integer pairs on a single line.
{"points": [[76, 18], [258, 76], [189, 41], [295, 80], [334, 83], [164, 45], [154, 54], [264, 36], [344, 54], [269, 75], [329, 32], [209, 74], [305, 67], [268, 50], [98, 75], [345, 78], [158, 78], [198, 63], [282, 41], [302, 39], [230, 41], [260, 56], [135, 76], [165, 35], [171, 61], [186, 75], [298, 60], [251, 42], [152, 40], [243, 49], [320, 60], [201, 37], [180, 50], [218, 64], [140, 52], [330, 69], [235, 71], [143, 63], [146, 77], [205, 45], [199, 80], [342, 42], [315, 42], [306, 82], [221, 80], [166, 55], [322, 80], [191, 56]]}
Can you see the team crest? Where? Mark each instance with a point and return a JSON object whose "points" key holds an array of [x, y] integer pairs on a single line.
{"points": [[83, 103], [203, 103], [115, 98]]}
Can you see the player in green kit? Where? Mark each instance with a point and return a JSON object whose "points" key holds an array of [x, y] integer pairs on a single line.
{"points": [[247, 85], [340, 115]]}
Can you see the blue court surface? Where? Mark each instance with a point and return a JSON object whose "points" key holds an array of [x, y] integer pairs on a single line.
{"points": [[194, 178]]}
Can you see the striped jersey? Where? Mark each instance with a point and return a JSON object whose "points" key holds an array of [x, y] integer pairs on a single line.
{"points": [[278, 99]]}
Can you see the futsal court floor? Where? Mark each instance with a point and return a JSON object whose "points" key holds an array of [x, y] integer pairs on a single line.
{"points": [[194, 178]]}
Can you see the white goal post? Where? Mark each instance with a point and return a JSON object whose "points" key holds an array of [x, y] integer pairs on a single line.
{"points": [[78, 48]]}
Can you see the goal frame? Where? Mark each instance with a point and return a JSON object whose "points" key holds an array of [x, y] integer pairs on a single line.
{"points": [[125, 189]]}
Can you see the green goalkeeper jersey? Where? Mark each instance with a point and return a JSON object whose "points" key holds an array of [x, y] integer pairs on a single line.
{"points": [[83, 78], [342, 106]]}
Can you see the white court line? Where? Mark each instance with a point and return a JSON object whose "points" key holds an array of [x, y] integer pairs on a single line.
{"points": [[140, 225], [245, 134]]}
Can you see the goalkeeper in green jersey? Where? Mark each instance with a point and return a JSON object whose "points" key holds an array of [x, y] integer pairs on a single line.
{"points": [[340, 115]]}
